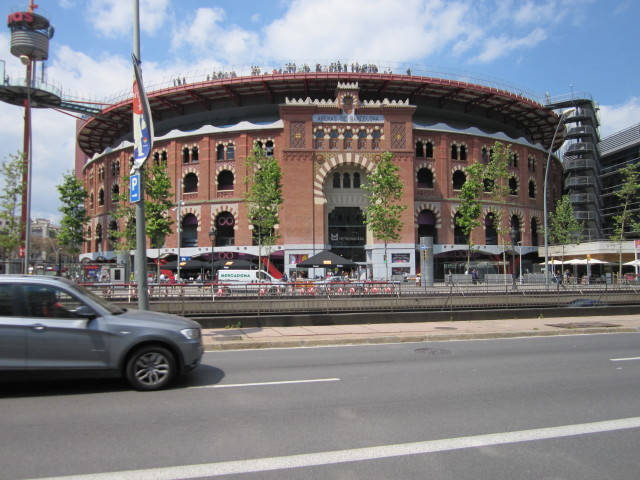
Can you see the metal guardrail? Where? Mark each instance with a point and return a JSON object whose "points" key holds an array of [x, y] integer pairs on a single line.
{"points": [[213, 299]]}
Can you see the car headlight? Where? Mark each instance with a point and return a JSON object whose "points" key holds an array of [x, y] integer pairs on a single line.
{"points": [[190, 333]]}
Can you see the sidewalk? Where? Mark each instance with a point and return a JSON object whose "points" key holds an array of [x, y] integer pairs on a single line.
{"points": [[278, 337]]}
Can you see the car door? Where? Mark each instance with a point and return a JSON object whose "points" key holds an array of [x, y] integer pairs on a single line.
{"points": [[13, 331], [58, 338]]}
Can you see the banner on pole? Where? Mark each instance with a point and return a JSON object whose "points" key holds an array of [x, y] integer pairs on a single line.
{"points": [[142, 121]]}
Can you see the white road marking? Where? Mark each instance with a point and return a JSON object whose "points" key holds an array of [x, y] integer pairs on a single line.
{"points": [[357, 454], [623, 359], [261, 384]]}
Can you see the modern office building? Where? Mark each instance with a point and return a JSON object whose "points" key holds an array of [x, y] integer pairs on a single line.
{"points": [[327, 130], [616, 151]]}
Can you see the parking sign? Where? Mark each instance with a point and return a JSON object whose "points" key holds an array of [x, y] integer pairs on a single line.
{"points": [[134, 188]]}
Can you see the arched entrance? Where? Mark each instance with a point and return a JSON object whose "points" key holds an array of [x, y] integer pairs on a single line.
{"points": [[427, 225], [346, 203], [347, 233]]}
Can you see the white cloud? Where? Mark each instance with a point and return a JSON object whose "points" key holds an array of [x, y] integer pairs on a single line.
{"points": [[495, 47], [614, 118], [365, 30], [207, 33], [114, 17]]}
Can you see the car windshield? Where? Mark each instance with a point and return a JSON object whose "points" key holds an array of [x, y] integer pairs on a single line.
{"points": [[113, 309]]}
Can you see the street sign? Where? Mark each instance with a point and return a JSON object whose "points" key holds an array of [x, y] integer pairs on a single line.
{"points": [[134, 188], [185, 259]]}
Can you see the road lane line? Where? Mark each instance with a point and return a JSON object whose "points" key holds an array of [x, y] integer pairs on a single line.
{"points": [[206, 470], [262, 384], [623, 359]]}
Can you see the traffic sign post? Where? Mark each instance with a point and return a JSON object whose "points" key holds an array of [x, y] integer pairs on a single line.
{"points": [[134, 188]]}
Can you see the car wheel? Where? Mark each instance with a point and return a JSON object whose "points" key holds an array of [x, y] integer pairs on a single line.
{"points": [[151, 368]]}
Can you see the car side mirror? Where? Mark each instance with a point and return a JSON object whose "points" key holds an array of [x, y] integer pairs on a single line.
{"points": [[85, 311]]}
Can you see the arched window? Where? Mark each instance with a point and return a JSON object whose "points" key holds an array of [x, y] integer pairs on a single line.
{"points": [[113, 231], [513, 186], [88, 238], [318, 141], [225, 180], [115, 169], [190, 183], [419, 149], [98, 238], [225, 234], [346, 181], [375, 139], [427, 225], [463, 153], [459, 238], [429, 150], [490, 230], [231, 152], [484, 155], [534, 232], [454, 152], [101, 197], [269, 148], [514, 160], [532, 189], [488, 185], [336, 180], [458, 179], [189, 236], [258, 144], [356, 180], [115, 193], [515, 230], [194, 154], [163, 159], [425, 178], [220, 152], [185, 155], [346, 143], [362, 139], [156, 158], [91, 200], [333, 139]]}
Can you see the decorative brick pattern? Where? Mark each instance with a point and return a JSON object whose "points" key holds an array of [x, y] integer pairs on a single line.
{"points": [[297, 135], [398, 135]]}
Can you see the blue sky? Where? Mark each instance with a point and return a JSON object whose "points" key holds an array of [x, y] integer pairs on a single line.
{"points": [[538, 47]]}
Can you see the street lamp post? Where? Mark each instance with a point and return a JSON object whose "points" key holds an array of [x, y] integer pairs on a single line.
{"points": [[546, 181], [212, 237]]}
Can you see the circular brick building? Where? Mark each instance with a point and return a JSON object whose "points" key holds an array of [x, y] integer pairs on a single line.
{"points": [[327, 130]]}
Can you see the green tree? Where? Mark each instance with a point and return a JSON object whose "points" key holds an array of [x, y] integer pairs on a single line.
{"points": [[264, 197], [626, 218], [383, 212], [470, 208], [11, 173], [565, 228], [124, 213], [497, 175], [74, 215], [157, 189]]}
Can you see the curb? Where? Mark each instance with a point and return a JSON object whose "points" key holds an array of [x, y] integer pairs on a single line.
{"points": [[311, 342]]}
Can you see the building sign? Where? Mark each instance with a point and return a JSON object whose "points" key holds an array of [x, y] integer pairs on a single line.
{"points": [[347, 118]]}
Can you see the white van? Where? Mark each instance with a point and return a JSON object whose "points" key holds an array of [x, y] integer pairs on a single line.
{"points": [[239, 281], [245, 276]]}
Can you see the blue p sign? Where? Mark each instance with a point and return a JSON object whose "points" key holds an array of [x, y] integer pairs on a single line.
{"points": [[134, 188]]}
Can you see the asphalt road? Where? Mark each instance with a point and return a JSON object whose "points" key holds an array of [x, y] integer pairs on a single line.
{"points": [[530, 408]]}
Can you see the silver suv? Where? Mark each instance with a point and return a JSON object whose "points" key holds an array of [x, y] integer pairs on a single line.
{"points": [[52, 324]]}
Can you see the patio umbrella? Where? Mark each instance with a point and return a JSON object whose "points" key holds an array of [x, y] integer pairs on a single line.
{"points": [[326, 259], [633, 263], [233, 264], [553, 262], [576, 261]]}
